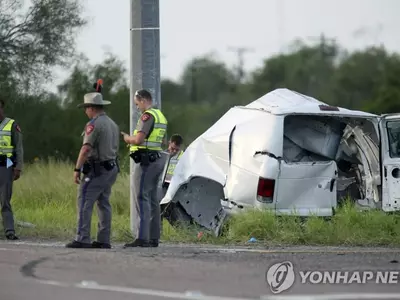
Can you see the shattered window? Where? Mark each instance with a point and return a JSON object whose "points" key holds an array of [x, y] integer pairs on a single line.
{"points": [[393, 131]]}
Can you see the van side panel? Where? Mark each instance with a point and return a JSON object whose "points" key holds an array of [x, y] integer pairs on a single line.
{"points": [[263, 133]]}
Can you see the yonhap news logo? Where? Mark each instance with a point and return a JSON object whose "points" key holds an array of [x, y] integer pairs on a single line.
{"points": [[281, 277]]}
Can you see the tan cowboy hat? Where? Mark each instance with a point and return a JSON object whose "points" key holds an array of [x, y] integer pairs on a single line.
{"points": [[93, 99]]}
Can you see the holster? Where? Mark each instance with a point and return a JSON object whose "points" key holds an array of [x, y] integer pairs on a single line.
{"points": [[94, 167], [145, 157], [87, 168], [136, 157], [109, 164], [153, 156]]}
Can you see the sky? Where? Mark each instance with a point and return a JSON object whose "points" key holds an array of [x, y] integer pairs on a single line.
{"points": [[190, 28]]}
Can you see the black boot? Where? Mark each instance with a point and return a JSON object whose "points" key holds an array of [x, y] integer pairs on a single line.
{"points": [[153, 243], [99, 245], [11, 236], [76, 244], [137, 243]]}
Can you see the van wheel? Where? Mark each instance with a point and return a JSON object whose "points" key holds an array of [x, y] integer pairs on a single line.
{"points": [[175, 214]]}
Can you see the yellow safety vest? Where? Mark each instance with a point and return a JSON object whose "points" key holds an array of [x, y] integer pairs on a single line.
{"points": [[171, 166], [154, 141], [6, 147]]}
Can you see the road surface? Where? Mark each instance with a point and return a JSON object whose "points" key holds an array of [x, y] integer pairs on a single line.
{"points": [[48, 271]]}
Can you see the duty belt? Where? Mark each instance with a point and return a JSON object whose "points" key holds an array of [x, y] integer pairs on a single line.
{"points": [[145, 157], [94, 165], [3, 160]]}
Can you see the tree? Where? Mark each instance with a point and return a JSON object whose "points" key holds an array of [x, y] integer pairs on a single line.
{"points": [[307, 69], [80, 82], [386, 93], [204, 78], [367, 79], [34, 41], [359, 76], [76, 85]]}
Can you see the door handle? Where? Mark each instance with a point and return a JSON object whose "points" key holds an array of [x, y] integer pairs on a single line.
{"points": [[332, 184]]}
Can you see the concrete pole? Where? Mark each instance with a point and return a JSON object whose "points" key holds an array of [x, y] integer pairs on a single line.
{"points": [[145, 64]]}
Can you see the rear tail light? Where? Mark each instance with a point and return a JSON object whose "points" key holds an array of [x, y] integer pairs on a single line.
{"points": [[265, 190]]}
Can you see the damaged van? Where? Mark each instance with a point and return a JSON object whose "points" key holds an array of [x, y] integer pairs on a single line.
{"points": [[290, 153]]}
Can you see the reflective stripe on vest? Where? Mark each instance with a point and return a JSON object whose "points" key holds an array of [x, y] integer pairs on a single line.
{"points": [[171, 166], [6, 147], [154, 141]]}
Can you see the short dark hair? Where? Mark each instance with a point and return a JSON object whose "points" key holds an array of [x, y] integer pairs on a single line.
{"points": [[145, 94], [2, 103], [96, 106], [176, 139]]}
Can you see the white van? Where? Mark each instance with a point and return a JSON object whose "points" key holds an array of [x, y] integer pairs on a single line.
{"points": [[290, 153]]}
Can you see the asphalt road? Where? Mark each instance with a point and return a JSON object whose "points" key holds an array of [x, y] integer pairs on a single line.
{"points": [[49, 271]]}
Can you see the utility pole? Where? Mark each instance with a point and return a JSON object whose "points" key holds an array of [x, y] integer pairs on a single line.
{"points": [[145, 64], [280, 5], [240, 51]]}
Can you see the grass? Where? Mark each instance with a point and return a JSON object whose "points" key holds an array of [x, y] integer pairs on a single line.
{"points": [[46, 196]]}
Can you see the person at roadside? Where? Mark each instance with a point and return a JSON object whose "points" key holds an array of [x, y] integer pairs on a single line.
{"points": [[145, 150], [174, 153], [11, 162], [97, 161], [171, 157]]}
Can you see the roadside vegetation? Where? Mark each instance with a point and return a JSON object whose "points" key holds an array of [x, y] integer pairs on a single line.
{"points": [[46, 196]]}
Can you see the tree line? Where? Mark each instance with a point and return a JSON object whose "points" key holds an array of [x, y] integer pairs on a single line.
{"points": [[32, 45]]}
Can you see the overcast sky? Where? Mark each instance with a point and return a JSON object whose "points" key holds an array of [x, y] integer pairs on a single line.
{"points": [[190, 28]]}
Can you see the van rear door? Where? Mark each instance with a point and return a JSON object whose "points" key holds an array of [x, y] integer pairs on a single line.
{"points": [[306, 188], [389, 127]]}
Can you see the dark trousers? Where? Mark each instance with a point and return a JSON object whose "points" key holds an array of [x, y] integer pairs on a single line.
{"points": [[6, 186], [147, 204]]}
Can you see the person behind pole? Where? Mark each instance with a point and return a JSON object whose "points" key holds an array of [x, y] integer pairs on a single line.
{"points": [[175, 153], [97, 161], [146, 150], [11, 163], [171, 157]]}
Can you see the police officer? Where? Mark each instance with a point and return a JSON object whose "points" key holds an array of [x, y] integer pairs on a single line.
{"points": [[146, 152], [174, 152], [171, 158], [11, 163], [97, 161]]}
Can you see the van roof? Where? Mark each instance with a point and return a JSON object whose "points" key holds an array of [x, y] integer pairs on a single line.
{"points": [[284, 101]]}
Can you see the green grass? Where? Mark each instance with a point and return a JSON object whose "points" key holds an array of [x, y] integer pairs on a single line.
{"points": [[45, 195]]}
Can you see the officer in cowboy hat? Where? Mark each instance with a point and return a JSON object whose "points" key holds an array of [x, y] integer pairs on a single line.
{"points": [[97, 162]]}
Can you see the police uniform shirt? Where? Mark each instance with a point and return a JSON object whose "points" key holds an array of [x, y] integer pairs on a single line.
{"points": [[16, 141], [103, 135], [170, 157], [145, 124]]}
